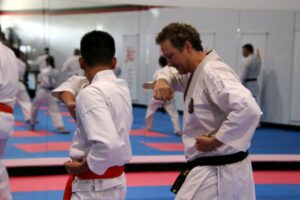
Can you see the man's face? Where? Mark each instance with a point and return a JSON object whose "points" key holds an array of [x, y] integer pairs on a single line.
{"points": [[175, 57], [245, 52]]}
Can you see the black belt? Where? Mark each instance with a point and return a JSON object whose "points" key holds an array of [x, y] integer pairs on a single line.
{"points": [[207, 161], [250, 79]]}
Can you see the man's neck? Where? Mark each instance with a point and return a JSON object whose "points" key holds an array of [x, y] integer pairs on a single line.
{"points": [[91, 72], [197, 59]]}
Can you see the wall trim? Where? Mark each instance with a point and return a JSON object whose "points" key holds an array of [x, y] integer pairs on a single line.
{"points": [[76, 11]]}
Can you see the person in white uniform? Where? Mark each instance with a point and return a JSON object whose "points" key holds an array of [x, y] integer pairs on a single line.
{"points": [[220, 117], [251, 67], [8, 90], [71, 65], [101, 145], [23, 98], [169, 106], [41, 59], [47, 80]]}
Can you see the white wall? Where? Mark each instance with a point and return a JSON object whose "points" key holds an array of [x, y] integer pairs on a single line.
{"points": [[295, 88], [65, 32]]}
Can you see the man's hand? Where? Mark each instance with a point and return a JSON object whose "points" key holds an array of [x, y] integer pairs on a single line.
{"points": [[76, 167], [71, 108], [162, 90], [207, 143]]}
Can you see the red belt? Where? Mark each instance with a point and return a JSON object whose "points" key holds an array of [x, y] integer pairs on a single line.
{"points": [[111, 172], [6, 108]]}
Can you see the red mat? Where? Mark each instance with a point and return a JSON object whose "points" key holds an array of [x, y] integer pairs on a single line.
{"points": [[57, 182], [31, 133], [165, 146], [18, 123], [44, 147], [65, 114], [143, 132]]}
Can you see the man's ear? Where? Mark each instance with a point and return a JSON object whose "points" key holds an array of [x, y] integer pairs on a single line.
{"points": [[82, 63], [114, 63], [188, 46]]}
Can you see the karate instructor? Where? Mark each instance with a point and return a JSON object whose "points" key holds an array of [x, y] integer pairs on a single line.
{"points": [[220, 117]]}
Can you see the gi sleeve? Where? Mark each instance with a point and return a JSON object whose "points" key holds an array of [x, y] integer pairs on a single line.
{"points": [[171, 75], [73, 84], [106, 145], [243, 113]]}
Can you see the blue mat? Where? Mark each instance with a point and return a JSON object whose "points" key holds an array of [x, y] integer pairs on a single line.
{"points": [[265, 141]]}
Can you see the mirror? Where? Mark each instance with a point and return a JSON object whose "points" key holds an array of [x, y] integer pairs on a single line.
{"points": [[59, 25]]}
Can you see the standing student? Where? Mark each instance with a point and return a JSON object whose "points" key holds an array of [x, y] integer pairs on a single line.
{"points": [[101, 145], [41, 59], [220, 117], [251, 67], [169, 106], [23, 98], [8, 90], [71, 65], [47, 80]]}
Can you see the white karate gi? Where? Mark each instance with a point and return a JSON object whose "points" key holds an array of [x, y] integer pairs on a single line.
{"points": [[251, 67], [169, 106], [224, 108], [23, 98], [47, 79], [104, 120], [41, 61], [71, 65], [8, 91]]}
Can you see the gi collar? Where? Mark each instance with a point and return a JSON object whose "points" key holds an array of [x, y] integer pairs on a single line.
{"points": [[105, 75]]}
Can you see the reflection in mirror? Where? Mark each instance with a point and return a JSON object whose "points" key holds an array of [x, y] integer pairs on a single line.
{"points": [[59, 25]]}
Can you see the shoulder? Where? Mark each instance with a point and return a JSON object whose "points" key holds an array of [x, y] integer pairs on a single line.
{"points": [[217, 74], [90, 97]]}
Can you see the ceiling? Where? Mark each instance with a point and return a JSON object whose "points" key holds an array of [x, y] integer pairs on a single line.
{"points": [[10, 5]]}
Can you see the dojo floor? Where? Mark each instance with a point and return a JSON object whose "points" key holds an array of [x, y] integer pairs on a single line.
{"points": [[270, 185], [45, 142]]}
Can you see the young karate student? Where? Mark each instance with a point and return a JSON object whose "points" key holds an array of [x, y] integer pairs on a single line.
{"points": [[9, 87], [169, 106], [220, 117], [101, 145], [47, 80]]}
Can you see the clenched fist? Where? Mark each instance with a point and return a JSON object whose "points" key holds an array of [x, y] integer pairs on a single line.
{"points": [[162, 90]]}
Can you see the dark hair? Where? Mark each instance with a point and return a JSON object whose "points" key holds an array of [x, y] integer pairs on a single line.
{"points": [[46, 50], [162, 61], [97, 48], [17, 52], [249, 47], [178, 34], [50, 61], [76, 52]]}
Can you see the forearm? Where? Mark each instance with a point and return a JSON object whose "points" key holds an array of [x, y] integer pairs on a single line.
{"points": [[66, 97]]}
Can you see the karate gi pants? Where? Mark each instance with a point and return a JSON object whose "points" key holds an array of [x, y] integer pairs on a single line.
{"points": [[169, 107], [227, 182], [6, 128], [104, 189], [24, 101], [44, 96]]}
